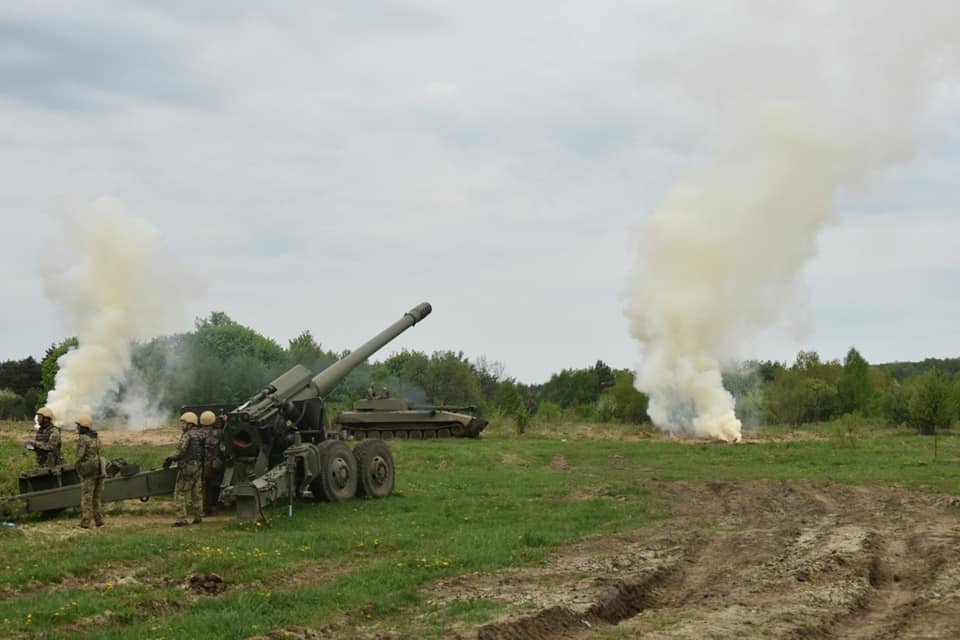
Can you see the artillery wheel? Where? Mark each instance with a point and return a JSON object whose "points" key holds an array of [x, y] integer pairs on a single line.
{"points": [[338, 472], [375, 468]]}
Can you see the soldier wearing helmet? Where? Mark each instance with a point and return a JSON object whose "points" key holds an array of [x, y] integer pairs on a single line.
{"points": [[189, 455], [47, 442], [212, 460], [90, 468]]}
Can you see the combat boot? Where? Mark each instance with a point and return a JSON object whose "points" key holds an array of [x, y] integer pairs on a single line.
{"points": [[180, 523], [197, 520]]}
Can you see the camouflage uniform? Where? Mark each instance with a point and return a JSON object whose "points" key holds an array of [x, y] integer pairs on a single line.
{"points": [[189, 492], [46, 444], [212, 466], [91, 470]]}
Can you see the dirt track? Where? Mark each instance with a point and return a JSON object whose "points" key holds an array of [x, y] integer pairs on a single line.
{"points": [[747, 560]]}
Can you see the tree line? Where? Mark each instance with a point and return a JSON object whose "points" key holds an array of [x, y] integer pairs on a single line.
{"points": [[921, 395], [221, 360]]}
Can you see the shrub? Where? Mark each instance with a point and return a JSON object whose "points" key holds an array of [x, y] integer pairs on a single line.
{"points": [[12, 406], [930, 405]]}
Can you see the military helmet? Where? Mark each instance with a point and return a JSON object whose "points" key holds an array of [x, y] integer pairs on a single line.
{"points": [[189, 417], [207, 418], [45, 412], [84, 420]]}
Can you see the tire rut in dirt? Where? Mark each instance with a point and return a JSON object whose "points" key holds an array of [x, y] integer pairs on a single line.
{"points": [[900, 576], [772, 559]]}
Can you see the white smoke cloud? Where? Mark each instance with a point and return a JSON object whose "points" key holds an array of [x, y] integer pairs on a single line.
{"points": [[116, 285], [811, 100]]}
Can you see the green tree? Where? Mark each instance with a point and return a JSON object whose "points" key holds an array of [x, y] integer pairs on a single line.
{"points": [[509, 399], [489, 374], [894, 404], [12, 406], [796, 398], [220, 337], [572, 388], [21, 376], [452, 379], [629, 405], [49, 365], [855, 388], [605, 378], [931, 407], [444, 377], [306, 351]]}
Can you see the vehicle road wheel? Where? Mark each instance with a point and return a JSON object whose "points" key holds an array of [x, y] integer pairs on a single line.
{"points": [[375, 468], [338, 472]]}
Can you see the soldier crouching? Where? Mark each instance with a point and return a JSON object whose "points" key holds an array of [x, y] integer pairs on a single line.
{"points": [[189, 456]]}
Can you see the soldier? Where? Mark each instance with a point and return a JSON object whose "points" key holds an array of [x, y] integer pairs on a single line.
{"points": [[47, 441], [212, 460], [189, 491], [385, 393], [371, 392], [90, 468]]}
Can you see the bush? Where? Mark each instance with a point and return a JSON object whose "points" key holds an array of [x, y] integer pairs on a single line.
{"points": [[629, 405], [844, 430], [931, 406], [549, 413], [607, 409], [895, 404], [12, 406]]}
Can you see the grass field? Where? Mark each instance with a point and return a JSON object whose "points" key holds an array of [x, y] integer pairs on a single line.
{"points": [[358, 568]]}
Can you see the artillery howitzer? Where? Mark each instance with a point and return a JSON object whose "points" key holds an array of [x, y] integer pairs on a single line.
{"points": [[276, 444], [397, 418]]}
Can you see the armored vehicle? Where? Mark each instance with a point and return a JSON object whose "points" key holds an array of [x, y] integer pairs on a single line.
{"points": [[397, 418]]}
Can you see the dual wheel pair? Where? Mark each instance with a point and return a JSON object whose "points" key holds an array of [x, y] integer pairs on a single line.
{"points": [[367, 470]]}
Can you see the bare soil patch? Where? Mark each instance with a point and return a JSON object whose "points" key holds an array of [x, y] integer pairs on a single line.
{"points": [[147, 437], [761, 559], [110, 434]]}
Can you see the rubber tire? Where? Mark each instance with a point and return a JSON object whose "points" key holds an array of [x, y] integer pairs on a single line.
{"points": [[376, 469], [335, 456]]}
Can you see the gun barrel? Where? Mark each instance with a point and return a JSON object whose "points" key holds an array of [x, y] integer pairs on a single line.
{"points": [[325, 381]]}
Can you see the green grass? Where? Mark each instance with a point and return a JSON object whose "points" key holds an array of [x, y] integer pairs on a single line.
{"points": [[460, 506]]}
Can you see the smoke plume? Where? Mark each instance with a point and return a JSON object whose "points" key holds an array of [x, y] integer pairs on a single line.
{"points": [[810, 100], [115, 284]]}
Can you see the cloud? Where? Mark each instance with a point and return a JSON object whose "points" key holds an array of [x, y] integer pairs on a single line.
{"points": [[327, 165]]}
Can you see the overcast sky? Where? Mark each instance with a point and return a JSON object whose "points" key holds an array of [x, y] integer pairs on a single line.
{"points": [[328, 165]]}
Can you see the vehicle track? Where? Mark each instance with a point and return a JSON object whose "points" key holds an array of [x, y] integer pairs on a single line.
{"points": [[760, 559]]}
